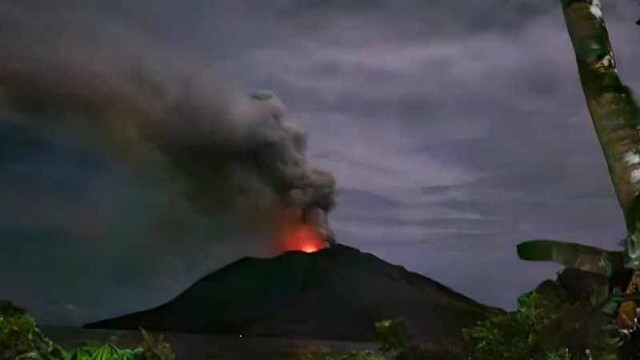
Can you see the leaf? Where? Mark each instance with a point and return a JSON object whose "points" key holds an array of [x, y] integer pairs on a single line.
{"points": [[610, 307], [582, 257]]}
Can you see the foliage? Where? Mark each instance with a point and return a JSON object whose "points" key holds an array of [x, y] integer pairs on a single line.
{"points": [[326, 355], [156, 348], [395, 340], [574, 255], [392, 335], [514, 336], [20, 339], [562, 354], [104, 352], [152, 348]]}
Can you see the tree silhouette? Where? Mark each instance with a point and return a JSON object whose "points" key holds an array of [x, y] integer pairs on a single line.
{"points": [[616, 118]]}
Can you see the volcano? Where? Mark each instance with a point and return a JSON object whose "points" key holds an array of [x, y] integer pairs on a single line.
{"points": [[335, 293]]}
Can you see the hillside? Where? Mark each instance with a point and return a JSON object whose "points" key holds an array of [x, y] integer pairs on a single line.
{"points": [[336, 293]]}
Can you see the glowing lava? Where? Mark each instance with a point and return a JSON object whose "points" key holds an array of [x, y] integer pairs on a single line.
{"points": [[303, 238]]}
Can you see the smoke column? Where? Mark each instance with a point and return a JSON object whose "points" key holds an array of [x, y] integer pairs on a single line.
{"points": [[232, 152]]}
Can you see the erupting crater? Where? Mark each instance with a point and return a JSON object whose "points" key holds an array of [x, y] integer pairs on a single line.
{"points": [[303, 238]]}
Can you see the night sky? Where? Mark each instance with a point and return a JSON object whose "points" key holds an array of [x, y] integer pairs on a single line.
{"points": [[455, 129]]}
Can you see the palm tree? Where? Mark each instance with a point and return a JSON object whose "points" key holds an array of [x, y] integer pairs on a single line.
{"points": [[616, 118]]}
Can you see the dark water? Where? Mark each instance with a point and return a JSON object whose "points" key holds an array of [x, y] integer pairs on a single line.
{"points": [[208, 347]]}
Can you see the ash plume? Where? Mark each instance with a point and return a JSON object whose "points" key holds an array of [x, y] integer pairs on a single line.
{"points": [[232, 152]]}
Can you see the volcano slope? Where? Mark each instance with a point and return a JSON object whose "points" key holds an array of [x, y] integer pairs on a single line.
{"points": [[336, 293]]}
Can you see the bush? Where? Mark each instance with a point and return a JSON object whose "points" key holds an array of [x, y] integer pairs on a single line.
{"points": [[104, 352], [156, 348], [20, 339], [515, 336], [152, 348], [392, 335], [325, 355], [395, 341]]}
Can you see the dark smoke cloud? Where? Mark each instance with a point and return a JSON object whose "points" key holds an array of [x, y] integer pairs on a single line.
{"points": [[208, 140], [234, 152]]}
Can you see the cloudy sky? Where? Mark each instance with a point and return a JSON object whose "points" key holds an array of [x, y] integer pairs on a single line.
{"points": [[455, 129]]}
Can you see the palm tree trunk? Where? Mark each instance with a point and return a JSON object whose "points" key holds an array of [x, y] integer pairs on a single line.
{"points": [[615, 114], [616, 118]]}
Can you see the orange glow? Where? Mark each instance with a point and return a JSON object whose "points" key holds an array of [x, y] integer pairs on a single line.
{"points": [[303, 238], [310, 248]]}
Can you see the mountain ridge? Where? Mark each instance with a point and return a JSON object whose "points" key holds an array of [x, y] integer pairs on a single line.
{"points": [[335, 293]]}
